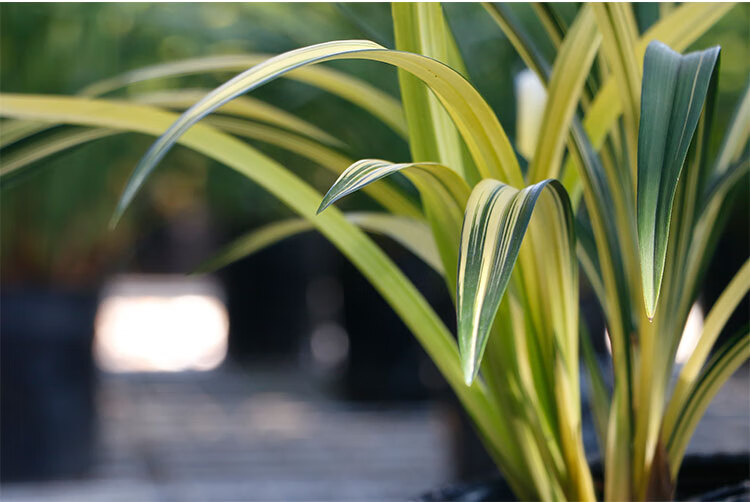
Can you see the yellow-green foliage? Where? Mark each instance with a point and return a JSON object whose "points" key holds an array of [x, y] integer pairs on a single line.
{"points": [[626, 128]]}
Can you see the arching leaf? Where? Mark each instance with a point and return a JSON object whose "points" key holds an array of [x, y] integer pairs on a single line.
{"points": [[497, 216], [478, 124], [412, 234]]}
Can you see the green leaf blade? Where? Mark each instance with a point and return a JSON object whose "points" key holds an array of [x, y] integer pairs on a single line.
{"points": [[674, 90]]}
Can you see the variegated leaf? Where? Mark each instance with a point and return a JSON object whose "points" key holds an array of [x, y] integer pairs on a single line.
{"points": [[496, 219], [366, 171]]}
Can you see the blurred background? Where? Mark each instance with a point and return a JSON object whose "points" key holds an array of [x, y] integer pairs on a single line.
{"points": [[284, 375]]}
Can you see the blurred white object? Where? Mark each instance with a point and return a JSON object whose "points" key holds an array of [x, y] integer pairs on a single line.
{"points": [[148, 323], [690, 335], [531, 97]]}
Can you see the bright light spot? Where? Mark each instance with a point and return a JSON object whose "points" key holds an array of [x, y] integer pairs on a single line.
{"points": [[531, 97], [607, 341], [161, 323], [329, 344], [690, 335]]}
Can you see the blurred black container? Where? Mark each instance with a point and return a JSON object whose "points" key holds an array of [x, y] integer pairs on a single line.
{"points": [[701, 478], [386, 362], [47, 383]]}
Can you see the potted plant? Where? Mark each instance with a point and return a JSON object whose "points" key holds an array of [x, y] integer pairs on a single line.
{"points": [[635, 203]]}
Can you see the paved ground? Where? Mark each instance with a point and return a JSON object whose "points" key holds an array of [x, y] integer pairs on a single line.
{"points": [[271, 435], [229, 435]]}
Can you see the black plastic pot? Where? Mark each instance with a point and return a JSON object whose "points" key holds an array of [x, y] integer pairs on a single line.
{"points": [[702, 478], [386, 363], [46, 384]]}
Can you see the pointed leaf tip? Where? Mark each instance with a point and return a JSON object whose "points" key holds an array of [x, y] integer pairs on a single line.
{"points": [[323, 205], [116, 217], [673, 93]]}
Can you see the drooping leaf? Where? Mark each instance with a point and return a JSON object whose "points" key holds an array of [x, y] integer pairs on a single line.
{"points": [[496, 220], [343, 85], [412, 234], [182, 99], [366, 171], [16, 130], [672, 97], [478, 124], [444, 194], [382, 273], [244, 106], [385, 194]]}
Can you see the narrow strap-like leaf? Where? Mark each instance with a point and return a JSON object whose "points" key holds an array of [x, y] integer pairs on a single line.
{"points": [[184, 98], [356, 91], [497, 216], [480, 128], [388, 196], [522, 42], [244, 106], [412, 234], [552, 23], [730, 356], [599, 399], [619, 35], [716, 319], [366, 171], [566, 85], [422, 28], [672, 97], [13, 163], [736, 139]]}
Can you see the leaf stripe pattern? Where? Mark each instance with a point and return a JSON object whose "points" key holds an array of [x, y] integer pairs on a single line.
{"points": [[366, 171], [674, 90], [496, 219]]}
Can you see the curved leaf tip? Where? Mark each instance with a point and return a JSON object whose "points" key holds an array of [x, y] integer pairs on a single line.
{"points": [[495, 223]]}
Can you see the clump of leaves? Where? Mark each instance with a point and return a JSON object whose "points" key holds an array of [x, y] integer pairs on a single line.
{"points": [[625, 134]]}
